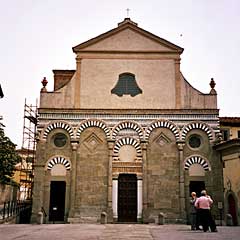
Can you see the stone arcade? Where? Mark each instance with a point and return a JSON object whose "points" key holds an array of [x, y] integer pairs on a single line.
{"points": [[125, 134]]}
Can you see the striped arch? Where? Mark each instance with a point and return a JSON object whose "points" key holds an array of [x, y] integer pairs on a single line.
{"points": [[164, 124], [93, 123], [59, 160], [196, 159], [127, 125], [127, 141], [197, 125], [55, 125]]}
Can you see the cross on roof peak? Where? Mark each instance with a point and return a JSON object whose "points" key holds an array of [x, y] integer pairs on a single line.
{"points": [[128, 10]]}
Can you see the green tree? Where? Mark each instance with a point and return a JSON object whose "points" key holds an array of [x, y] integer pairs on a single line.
{"points": [[8, 158]]}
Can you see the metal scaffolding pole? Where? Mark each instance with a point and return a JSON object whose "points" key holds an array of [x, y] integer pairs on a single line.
{"points": [[28, 150]]}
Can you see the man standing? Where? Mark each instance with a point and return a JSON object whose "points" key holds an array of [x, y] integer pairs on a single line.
{"points": [[203, 204]]}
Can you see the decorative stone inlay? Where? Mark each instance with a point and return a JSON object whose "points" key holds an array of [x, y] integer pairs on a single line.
{"points": [[198, 160], [162, 139], [164, 124], [55, 125], [59, 160], [93, 123], [127, 132], [197, 125], [92, 142], [129, 164], [172, 116], [127, 125], [127, 141], [127, 167]]}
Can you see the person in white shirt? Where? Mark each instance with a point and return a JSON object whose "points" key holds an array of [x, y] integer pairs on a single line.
{"points": [[203, 204]]}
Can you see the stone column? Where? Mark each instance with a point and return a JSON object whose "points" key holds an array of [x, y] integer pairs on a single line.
{"points": [[77, 86], [139, 199], [38, 191], [110, 182], [145, 181], [178, 83], [181, 182], [74, 145], [115, 198]]}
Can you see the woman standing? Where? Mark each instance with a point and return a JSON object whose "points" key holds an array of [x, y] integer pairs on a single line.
{"points": [[193, 212]]}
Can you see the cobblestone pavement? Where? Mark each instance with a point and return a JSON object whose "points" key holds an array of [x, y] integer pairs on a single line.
{"points": [[112, 232]]}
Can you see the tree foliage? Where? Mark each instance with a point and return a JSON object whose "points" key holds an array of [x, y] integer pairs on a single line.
{"points": [[8, 158]]}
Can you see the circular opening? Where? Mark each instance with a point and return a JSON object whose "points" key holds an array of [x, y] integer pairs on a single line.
{"points": [[60, 139], [195, 141]]}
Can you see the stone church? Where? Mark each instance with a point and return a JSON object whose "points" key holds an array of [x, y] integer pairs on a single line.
{"points": [[125, 135]]}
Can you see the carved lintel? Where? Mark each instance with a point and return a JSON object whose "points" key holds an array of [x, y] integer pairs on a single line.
{"points": [[127, 170]]}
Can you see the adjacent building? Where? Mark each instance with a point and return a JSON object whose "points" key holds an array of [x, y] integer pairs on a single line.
{"points": [[229, 150], [125, 135]]}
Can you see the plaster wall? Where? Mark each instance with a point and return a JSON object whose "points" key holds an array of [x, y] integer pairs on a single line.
{"points": [[231, 174], [156, 78]]}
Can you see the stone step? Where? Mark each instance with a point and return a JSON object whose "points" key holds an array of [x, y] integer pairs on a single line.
{"points": [[83, 220]]}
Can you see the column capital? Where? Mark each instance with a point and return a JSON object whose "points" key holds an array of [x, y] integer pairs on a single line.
{"points": [[177, 60], [143, 144], [74, 144], [111, 144], [78, 59], [180, 145]]}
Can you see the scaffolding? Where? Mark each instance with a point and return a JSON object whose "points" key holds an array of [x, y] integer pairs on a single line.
{"points": [[28, 151]]}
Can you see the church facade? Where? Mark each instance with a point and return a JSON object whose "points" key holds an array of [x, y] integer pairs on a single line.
{"points": [[125, 135]]}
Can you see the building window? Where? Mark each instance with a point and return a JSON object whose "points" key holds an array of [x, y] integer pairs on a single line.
{"points": [[238, 134], [126, 85], [60, 139], [225, 134], [194, 141]]}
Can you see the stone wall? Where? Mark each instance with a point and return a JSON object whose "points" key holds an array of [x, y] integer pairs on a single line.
{"points": [[163, 174], [92, 175]]}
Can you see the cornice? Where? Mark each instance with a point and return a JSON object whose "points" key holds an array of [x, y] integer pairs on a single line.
{"points": [[121, 27], [230, 144], [130, 111]]}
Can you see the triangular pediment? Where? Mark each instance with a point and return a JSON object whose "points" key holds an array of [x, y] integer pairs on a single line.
{"points": [[128, 37]]}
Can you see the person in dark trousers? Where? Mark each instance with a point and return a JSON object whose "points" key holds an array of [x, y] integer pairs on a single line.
{"points": [[193, 212], [203, 204]]}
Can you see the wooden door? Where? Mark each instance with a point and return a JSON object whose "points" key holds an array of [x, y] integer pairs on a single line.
{"points": [[57, 201], [127, 198]]}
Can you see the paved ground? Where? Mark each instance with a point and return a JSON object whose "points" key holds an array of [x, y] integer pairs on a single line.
{"points": [[112, 231]]}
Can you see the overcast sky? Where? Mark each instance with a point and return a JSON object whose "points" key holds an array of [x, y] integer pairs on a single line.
{"points": [[38, 35]]}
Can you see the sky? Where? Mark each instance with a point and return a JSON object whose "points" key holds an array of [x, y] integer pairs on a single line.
{"points": [[37, 36]]}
